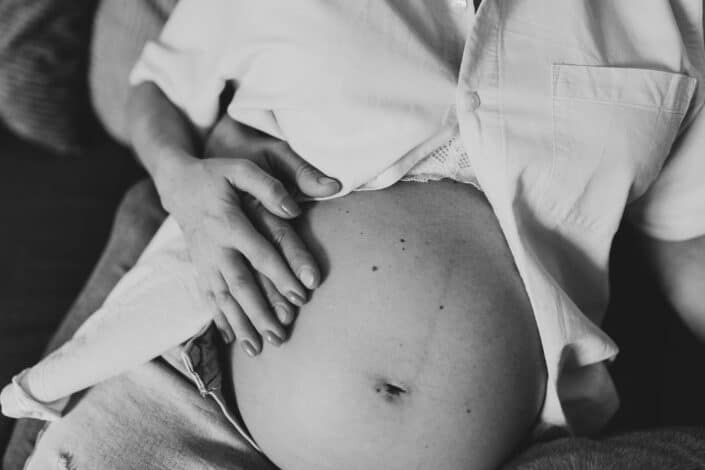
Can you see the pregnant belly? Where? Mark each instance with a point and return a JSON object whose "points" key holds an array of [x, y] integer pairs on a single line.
{"points": [[419, 350]]}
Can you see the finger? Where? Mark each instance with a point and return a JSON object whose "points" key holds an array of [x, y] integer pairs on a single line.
{"points": [[247, 293], [245, 333], [221, 323], [308, 179], [282, 308], [239, 234], [290, 245], [246, 176]]}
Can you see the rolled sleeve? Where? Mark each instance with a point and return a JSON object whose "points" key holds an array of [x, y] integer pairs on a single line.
{"points": [[185, 62], [674, 206]]}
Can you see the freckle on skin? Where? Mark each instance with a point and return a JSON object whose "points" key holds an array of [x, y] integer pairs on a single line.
{"points": [[441, 307], [402, 240], [374, 268]]}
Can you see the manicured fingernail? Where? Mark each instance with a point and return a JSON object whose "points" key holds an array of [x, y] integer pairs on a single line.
{"points": [[308, 277], [249, 349], [284, 313], [272, 338], [326, 181], [290, 207], [295, 299]]}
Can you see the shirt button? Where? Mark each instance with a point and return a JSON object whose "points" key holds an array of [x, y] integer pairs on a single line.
{"points": [[472, 100], [459, 3]]}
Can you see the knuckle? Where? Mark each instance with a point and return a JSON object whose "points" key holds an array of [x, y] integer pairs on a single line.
{"points": [[280, 233], [222, 297], [274, 188], [266, 261], [305, 171], [240, 282]]}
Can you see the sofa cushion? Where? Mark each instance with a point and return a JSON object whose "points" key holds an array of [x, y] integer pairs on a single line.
{"points": [[43, 71], [674, 448], [138, 217], [56, 218]]}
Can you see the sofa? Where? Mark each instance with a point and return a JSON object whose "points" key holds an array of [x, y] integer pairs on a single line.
{"points": [[76, 209]]}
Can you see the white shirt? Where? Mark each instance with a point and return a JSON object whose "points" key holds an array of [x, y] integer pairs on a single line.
{"points": [[569, 110]]}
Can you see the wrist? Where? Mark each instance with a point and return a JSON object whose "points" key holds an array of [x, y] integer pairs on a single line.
{"points": [[167, 172]]}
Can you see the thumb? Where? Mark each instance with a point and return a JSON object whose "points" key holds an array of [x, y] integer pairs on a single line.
{"points": [[308, 179]]}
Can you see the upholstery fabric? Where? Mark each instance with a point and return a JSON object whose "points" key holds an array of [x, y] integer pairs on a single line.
{"points": [[137, 219], [672, 448], [43, 64], [56, 217]]}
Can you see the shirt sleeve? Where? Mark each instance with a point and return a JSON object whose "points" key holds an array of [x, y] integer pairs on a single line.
{"points": [[674, 206], [185, 62]]}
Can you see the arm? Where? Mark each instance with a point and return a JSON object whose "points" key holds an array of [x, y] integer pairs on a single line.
{"points": [[161, 135], [226, 233], [244, 269]]}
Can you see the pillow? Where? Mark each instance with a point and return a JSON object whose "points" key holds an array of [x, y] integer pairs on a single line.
{"points": [[43, 71]]}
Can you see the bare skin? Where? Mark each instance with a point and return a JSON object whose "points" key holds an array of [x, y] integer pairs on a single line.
{"points": [[679, 268], [250, 279], [418, 351]]}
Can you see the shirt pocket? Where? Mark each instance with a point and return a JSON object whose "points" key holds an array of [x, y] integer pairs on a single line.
{"points": [[613, 128]]}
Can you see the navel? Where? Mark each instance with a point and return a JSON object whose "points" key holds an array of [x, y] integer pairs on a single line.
{"points": [[391, 392]]}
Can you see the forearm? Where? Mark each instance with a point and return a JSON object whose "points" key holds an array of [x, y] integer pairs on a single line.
{"points": [[161, 135]]}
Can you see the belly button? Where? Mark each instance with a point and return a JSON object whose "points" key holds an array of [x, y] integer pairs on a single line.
{"points": [[391, 392]]}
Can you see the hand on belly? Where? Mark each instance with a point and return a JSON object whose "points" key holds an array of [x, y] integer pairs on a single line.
{"points": [[419, 350]]}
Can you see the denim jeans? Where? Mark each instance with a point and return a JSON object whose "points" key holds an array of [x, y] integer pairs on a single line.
{"points": [[153, 417], [150, 418]]}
